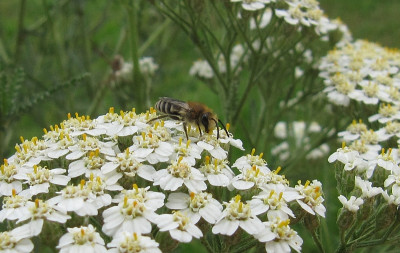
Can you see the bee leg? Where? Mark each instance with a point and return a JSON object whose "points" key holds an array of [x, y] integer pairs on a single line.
{"points": [[198, 126], [157, 118], [216, 124], [184, 128]]}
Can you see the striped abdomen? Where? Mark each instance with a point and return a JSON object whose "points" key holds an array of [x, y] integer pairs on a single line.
{"points": [[172, 107]]}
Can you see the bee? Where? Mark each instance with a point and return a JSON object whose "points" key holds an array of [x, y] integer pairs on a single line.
{"points": [[190, 113]]}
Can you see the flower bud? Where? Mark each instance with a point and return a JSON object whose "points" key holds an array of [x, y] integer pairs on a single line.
{"points": [[345, 219], [311, 222], [385, 216]]}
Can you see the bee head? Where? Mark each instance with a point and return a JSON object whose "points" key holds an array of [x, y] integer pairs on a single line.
{"points": [[208, 121]]}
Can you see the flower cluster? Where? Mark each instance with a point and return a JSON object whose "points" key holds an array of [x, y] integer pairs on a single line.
{"points": [[270, 14], [368, 162], [365, 72], [130, 174], [305, 13]]}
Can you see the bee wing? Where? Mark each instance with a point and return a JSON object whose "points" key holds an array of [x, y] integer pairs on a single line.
{"points": [[173, 106]]}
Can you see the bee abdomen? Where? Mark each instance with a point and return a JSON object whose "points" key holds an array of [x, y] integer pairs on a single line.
{"points": [[168, 107]]}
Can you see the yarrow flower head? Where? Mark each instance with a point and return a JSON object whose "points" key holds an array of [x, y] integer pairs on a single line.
{"points": [[133, 242], [312, 201], [179, 225], [102, 170], [16, 240], [81, 239], [279, 237], [237, 214]]}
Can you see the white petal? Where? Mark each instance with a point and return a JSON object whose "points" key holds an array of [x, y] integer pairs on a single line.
{"points": [[108, 167], [195, 185], [205, 145], [177, 201], [226, 227], [305, 207], [141, 152], [75, 155], [252, 225], [57, 153], [218, 153], [181, 236], [129, 130], [242, 185], [60, 180], [146, 172]]}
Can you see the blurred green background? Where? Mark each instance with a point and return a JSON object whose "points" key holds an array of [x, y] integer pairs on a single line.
{"points": [[56, 41], [66, 48]]}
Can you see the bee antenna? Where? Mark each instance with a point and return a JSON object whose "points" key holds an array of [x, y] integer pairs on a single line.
{"points": [[223, 126]]}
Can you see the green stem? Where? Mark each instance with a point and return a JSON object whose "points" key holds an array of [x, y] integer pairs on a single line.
{"points": [[21, 31], [138, 86], [317, 241], [154, 35], [59, 47]]}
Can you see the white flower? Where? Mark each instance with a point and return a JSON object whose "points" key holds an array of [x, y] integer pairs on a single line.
{"points": [[61, 143], [366, 188], [132, 214], [391, 199], [228, 139], [134, 242], [262, 20], [318, 152], [353, 204], [14, 207], [87, 144], [312, 201], [39, 211], [39, 179], [189, 151], [81, 239], [151, 147], [353, 131], [87, 165], [82, 125], [280, 130], [281, 150], [389, 160], [179, 225], [147, 66], [217, 172], [16, 240], [386, 113], [78, 199], [253, 5], [152, 200], [344, 155], [125, 124], [8, 182], [98, 186], [248, 178], [293, 16], [196, 205], [271, 201], [202, 69], [212, 145], [130, 166], [30, 153], [179, 173], [250, 160], [237, 214], [279, 237]]}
